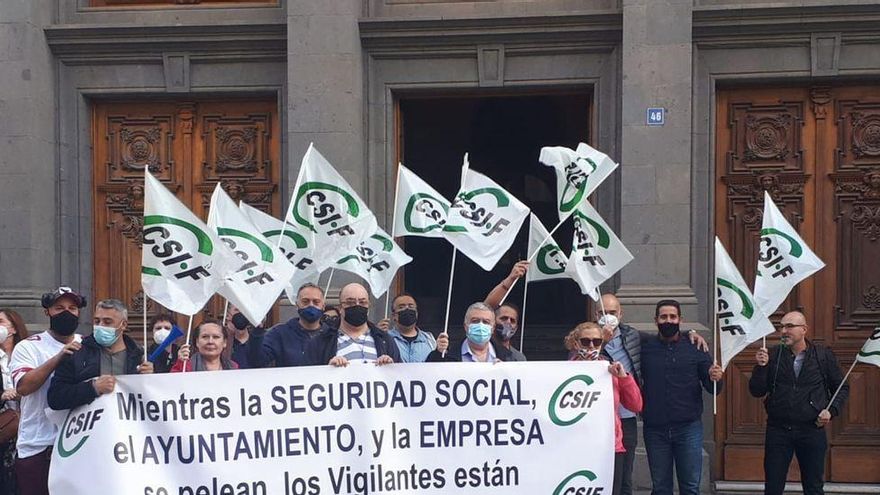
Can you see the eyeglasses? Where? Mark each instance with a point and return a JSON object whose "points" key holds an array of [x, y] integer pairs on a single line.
{"points": [[789, 326], [355, 302], [587, 342]]}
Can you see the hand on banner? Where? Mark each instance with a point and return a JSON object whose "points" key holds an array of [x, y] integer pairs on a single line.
{"points": [[442, 342], [698, 341], [70, 348], [383, 360], [145, 368], [104, 384], [384, 324], [183, 353], [9, 394], [339, 362], [824, 418], [617, 369], [762, 357], [715, 372]]}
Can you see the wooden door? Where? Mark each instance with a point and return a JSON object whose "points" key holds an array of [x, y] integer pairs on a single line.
{"points": [[190, 147], [817, 151]]}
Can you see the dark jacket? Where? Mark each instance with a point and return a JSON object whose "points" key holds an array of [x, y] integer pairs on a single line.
{"points": [[71, 385], [674, 376], [798, 400], [284, 345], [632, 345], [322, 348], [165, 360], [453, 354]]}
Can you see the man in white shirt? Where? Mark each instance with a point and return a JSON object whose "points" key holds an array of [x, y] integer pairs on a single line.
{"points": [[33, 362]]}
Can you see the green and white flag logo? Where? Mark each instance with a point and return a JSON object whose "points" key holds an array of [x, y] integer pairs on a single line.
{"points": [[183, 261], [294, 246], [578, 174], [263, 271], [550, 262], [484, 219], [784, 259], [421, 210], [596, 253], [325, 205], [740, 320], [376, 260], [870, 352]]}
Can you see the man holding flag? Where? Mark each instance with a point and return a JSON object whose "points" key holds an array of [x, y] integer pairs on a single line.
{"points": [[798, 378]]}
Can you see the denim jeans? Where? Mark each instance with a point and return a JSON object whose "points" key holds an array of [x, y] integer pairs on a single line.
{"points": [[624, 462], [808, 443], [681, 445]]}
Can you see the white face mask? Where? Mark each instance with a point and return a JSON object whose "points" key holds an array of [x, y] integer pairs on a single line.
{"points": [[4, 334], [160, 335], [609, 320]]}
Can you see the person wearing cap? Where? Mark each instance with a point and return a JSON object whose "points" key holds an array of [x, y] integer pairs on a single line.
{"points": [[33, 362], [107, 353]]}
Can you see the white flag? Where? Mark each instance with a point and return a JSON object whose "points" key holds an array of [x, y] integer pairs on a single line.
{"points": [[578, 174], [740, 320], [596, 252], [419, 209], [327, 206], [376, 260], [294, 245], [263, 271], [870, 352], [484, 219], [183, 262], [784, 259], [550, 261]]}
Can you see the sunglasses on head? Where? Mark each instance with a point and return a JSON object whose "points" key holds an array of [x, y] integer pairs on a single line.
{"points": [[586, 342]]}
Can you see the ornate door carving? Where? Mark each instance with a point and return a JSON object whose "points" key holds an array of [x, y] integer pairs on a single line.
{"points": [[817, 151], [190, 147]]}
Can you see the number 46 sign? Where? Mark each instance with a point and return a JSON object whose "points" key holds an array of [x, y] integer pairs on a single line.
{"points": [[656, 116]]}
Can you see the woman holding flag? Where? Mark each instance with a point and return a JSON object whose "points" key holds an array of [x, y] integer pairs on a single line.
{"points": [[210, 341]]}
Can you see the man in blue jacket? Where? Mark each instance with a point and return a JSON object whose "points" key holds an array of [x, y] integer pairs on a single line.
{"points": [[285, 344], [413, 343], [674, 373]]}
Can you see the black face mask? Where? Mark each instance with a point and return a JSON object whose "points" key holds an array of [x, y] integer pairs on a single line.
{"points": [[331, 321], [64, 323], [407, 317], [240, 321], [356, 315], [668, 330]]}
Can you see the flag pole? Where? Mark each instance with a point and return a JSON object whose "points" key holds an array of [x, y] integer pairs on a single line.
{"points": [[715, 347], [530, 258], [329, 279], [842, 382], [522, 317], [225, 310], [449, 295], [145, 325], [188, 333], [393, 224]]}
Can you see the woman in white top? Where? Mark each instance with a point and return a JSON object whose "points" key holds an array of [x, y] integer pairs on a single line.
{"points": [[12, 331]]}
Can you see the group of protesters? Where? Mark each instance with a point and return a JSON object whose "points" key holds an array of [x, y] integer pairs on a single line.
{"points": [[658, 375]]}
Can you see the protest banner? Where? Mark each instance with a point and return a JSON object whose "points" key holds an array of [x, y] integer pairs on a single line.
{"points": [[397, 429]]}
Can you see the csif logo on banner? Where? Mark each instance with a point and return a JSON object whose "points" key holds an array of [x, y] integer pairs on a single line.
{"points": [[369, 250], [182, 249], [475, 207], [771, 256], [74, 431], [550, 260], [246, 247], [583, 239], [330, 205], [299, 242], [424, 213], [582, 482], [572, 400], [734, 305], [576, 182]]}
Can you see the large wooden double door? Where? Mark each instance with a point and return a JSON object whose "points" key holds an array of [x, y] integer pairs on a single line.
{"points": [[817, 151], [190, 146]]}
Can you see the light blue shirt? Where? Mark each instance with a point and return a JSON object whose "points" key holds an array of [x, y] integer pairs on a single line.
{"points": [[468, 357], [417, 350], [615, 349]]}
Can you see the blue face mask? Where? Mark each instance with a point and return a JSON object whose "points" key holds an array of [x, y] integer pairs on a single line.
{"points": [[479, 333], [104, 336], [310, 314]]}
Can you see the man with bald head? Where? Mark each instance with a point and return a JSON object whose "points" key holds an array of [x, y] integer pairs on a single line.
{"points": [[357, 340], [798, 378]]}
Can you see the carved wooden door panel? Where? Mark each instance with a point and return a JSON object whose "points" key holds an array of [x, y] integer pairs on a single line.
{"points": [[817, 151], [190, 147]]}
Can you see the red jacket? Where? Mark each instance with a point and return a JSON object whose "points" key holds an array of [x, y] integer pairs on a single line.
{"points": [[626, 392]]}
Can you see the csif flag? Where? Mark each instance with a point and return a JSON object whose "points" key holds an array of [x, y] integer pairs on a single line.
{"points": [[262, 273], [183, 261], [870, 352], [329, 209], [741, 320], [550, 261], [294, 245], [596, 252], [484, 219], [419, 209], [784, 259], [376, 260], [578, 173]]}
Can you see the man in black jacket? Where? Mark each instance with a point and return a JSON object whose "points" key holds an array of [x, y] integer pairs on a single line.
{"points": [[798, 381], [357, 340], [89, 372]]}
